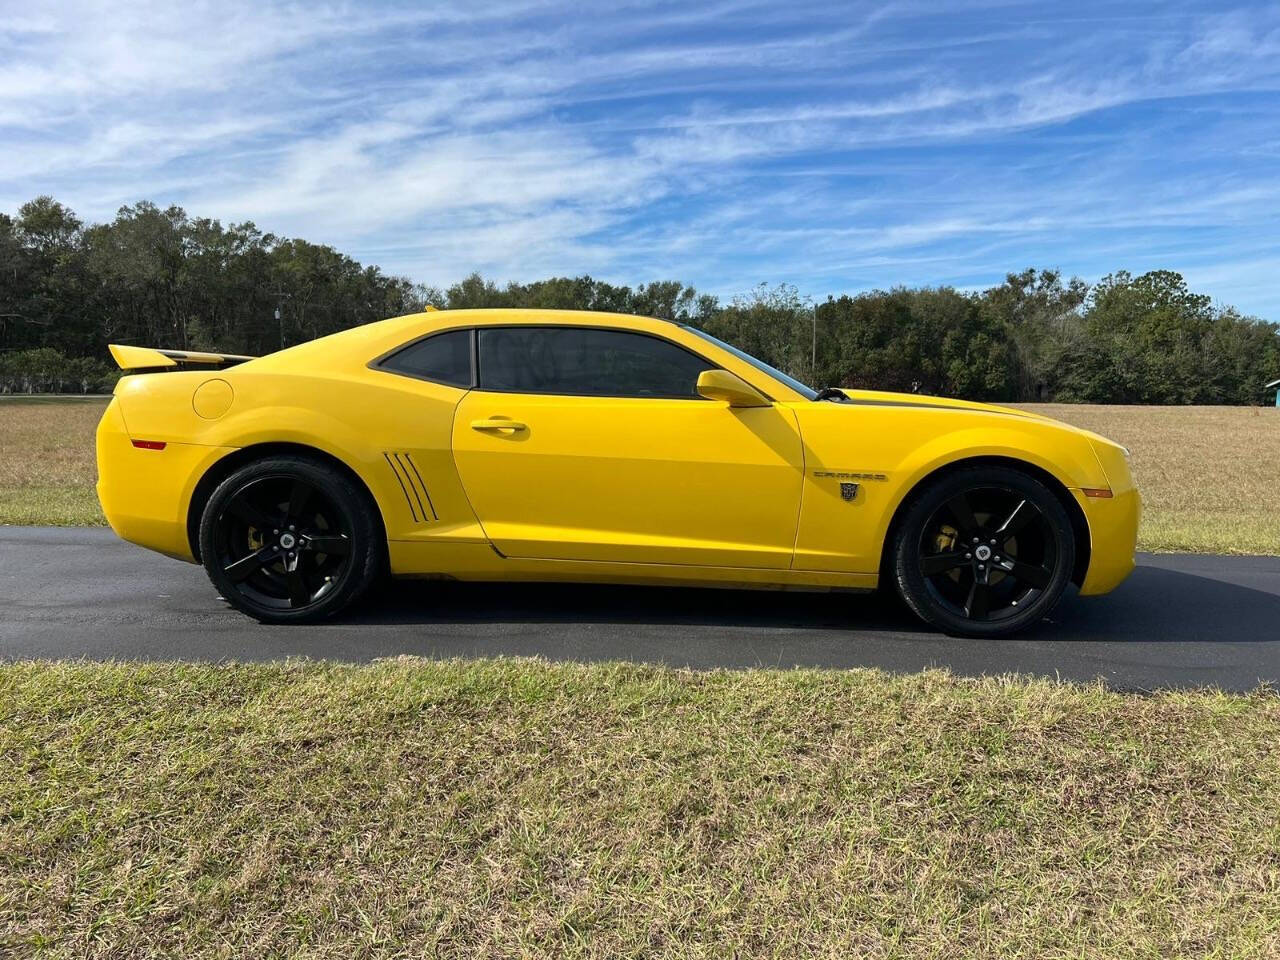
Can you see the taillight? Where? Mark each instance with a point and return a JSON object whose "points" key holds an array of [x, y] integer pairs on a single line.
{"points": [[149, 444]]}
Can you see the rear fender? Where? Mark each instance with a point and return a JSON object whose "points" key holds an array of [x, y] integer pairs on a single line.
{"points": [[393, 433]]}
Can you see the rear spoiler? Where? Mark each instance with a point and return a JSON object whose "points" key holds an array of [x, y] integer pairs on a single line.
{"points": [[151, 358]]}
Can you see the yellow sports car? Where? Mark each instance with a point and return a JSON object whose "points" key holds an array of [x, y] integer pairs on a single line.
{"points": [[558, 445]]}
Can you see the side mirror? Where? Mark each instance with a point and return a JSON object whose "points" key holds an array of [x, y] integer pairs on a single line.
{"points": [[729, 387]]}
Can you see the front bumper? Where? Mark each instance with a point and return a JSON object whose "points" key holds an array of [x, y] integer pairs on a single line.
{"points": [[145, 494], [1113, 539]]}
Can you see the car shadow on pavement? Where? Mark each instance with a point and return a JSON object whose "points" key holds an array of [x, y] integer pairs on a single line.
{"points": [[1170, 606], [410, 601], [1155, 604]]}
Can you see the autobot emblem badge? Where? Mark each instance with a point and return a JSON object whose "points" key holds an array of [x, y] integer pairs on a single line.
{"points": [[848, 491]]}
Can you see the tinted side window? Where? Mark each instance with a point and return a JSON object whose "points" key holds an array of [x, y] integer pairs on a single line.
{"points": [[586, 362], [445, 358]]}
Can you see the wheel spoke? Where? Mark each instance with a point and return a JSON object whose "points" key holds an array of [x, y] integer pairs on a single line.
{"points": [[963, 513], [303, 554], [240, 506], [1029, 574], [299, 497], [335, 545], [241, 569], [978, 601], [979, 536], [299, 594], [940, 563], [1022, 514]]}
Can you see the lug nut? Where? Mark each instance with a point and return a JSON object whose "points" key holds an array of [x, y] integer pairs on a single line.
{"points": [[968, 556]]}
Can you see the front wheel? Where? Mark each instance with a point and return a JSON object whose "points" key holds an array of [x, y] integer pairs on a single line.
{"points": [[984, 552], [290, 540]]}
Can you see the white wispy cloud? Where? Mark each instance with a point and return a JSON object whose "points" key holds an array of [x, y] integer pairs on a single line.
{"points": [[721, 143]]}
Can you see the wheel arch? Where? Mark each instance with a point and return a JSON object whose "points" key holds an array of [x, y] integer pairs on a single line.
{"points": [[1079, 525], [223, 468]]}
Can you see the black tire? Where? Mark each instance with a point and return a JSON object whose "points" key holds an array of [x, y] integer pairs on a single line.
{"points": [[287, 539], [983, 552]]}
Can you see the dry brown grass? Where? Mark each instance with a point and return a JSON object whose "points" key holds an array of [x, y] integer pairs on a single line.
{"points": [[1210, 476], [522, 809], [47, 467]]}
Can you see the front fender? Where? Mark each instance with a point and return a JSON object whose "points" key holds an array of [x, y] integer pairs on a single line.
{"points": [[1068, 457], [889, 451]]}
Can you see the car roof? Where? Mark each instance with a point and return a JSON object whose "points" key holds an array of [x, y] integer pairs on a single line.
{"points": [[483, 316], [365, 344]]}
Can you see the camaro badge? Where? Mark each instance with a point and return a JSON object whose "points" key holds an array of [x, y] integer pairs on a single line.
{"points": [[849, 490]]}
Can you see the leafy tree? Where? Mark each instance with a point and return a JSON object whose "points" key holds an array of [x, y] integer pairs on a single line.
{"points": [[46, 370], [772, 323], [1041, 317], [160, 277], [925, 340]]}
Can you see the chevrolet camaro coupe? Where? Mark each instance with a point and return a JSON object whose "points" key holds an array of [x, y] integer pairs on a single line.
{"points": [[558, 445]]}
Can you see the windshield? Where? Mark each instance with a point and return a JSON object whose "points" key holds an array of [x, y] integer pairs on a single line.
{"points": [[807, 392]]}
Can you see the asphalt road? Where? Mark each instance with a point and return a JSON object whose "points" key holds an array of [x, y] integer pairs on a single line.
{"points": [[1178, 621]]}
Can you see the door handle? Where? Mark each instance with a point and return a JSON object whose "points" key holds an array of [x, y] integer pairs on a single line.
{"points": [[497, 423]]}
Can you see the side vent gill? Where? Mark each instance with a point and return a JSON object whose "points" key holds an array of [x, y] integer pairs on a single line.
{"points": [[413, 486]]}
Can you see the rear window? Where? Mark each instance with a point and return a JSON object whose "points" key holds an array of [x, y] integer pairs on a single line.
{"points": [[442, 358]]}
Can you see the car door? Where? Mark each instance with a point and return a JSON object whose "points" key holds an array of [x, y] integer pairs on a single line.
{"points": [[588, 443]]}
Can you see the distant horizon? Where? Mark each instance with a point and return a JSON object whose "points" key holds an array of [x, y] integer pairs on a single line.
{"points": [[727, 146]]}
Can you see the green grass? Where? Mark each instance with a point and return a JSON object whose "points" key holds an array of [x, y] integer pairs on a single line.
{"points": [[515, 808], [48, 472]]}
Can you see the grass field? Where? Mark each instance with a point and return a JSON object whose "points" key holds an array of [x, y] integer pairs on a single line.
{"points": [[515, 808], [47, 470], [1208, 474]]}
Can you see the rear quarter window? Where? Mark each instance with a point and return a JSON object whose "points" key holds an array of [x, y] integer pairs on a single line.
{"points": [[440, 358]]}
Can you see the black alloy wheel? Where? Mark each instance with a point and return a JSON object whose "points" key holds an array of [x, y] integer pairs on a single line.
{"points": [[289, 540], [984, 551]]}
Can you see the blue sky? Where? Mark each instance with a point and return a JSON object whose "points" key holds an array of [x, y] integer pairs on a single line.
{"points": [[836, 147]]}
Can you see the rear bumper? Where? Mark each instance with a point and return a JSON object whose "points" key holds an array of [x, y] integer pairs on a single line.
{"points": [[1113, 539], [145, 494]]}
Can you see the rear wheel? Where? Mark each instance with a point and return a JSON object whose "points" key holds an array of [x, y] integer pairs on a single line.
{"points": [[984, 552], [290, 540]]}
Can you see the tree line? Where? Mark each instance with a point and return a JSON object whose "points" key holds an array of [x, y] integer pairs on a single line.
{"points": [[159, 277]]}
